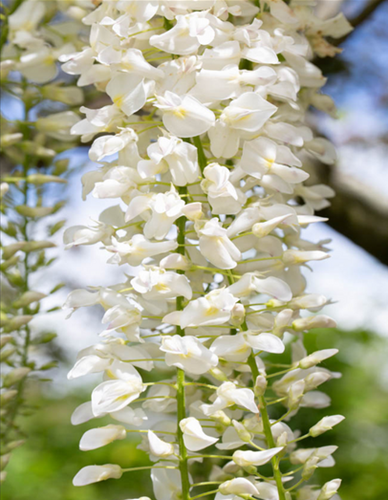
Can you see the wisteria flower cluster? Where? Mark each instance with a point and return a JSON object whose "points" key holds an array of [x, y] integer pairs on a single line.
{"points": [[35, 130], [201, 145]]}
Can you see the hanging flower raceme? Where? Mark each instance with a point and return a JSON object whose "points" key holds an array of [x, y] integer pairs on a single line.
{"points": [[34, 142], [202, 145]]}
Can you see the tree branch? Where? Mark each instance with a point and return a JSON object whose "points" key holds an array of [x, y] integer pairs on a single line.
{"points": [[363, 16], [358, 213]]}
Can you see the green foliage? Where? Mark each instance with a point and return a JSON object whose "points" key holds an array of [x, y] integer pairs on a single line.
{"points": [[45, 465]]}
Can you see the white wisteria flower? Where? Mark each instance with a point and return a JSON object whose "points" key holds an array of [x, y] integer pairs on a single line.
{"points": [[188, 354], [193, 435]]}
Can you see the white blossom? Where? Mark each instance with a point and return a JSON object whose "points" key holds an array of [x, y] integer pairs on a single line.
{"points": [[193, 435]]}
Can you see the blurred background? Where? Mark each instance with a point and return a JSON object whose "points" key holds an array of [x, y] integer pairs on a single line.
{"points": [[355, 278]]}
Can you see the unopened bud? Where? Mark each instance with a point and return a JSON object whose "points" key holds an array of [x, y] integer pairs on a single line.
{"points": [[218, 374], [282, 440], [315, 379], [261, 229], [58, 125], [326, 424], [237, 315], [329, 489], [17, 322], [309, 468], [28, 211], [4, 459], [260, 385], [28, 298], [4, 339], [222, 418], [310, 322], [6, 353], [7, 396], [38, 179], [67, 95], [15, 376], [316, 357], [295, 257], [242, 432], [309, 301], [10, 139], [295, 394]]}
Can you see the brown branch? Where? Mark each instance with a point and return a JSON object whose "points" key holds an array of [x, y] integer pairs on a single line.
{"points": [[363, 16], [356, 211]]}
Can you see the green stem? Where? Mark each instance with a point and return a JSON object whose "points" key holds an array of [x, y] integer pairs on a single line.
{"points": [[183, 467], [267, 431], [180, 396], [202, 160]]}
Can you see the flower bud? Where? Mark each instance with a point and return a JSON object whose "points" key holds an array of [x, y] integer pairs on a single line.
{"points": [[10, 139], [326, 424], [242, 432], [35, 149], [261, 229], [15, 376], [16, 322], [6, 353], [28, 298], [295, 394], [58, 125], [4, 339], [309, 301], [4, 459], [315, 379], [28, 211], [222, 418], [329, 489], [282, 440], [296, 257], [247, 458], [218, 374], [316, 357], [254, 424], [237, 315], [310, 322], [67, 95], [309, 467], [39, 179], [260, 385], [7, 396]]}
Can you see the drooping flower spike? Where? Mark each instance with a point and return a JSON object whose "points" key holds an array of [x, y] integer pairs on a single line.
{"points": [[202, 145]]}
